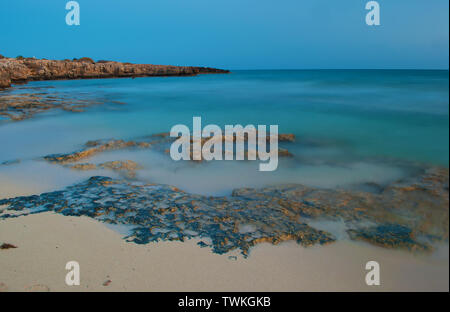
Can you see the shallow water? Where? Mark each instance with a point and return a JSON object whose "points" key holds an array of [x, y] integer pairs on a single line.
{"points": [[352, 127]]}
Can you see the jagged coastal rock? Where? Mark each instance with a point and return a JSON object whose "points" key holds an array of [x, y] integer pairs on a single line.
{"points": [[31, 102], [20, 70], [409, 214], [159, 141], [5, 80], [126, 167]]}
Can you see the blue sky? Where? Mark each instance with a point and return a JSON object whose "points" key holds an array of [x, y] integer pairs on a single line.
{"points": [[234, 34]]}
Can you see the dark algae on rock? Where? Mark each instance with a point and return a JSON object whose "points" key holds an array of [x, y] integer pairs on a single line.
{"points": [[389, 236], [162, 212], [409, 214]]}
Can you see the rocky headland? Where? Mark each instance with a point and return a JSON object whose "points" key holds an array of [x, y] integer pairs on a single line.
{"points": [[33, 101], [22, 70]]}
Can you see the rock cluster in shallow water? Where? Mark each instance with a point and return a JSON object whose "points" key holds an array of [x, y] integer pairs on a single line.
{"points": [[126, 167], [35, 100], [409, 214], [160, 141]]}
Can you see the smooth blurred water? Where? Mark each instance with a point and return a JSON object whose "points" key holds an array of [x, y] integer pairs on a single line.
{"points": [[351, 126]]}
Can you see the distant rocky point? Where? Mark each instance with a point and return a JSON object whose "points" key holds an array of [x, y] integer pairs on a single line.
{"points": [[21, 70]]}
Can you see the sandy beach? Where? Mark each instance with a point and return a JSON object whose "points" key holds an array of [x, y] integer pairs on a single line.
{"points": [[218, 146], [343, 208], [46, 242]]}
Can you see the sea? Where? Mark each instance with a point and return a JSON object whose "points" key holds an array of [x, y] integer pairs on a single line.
{"points": [[353, 128]]}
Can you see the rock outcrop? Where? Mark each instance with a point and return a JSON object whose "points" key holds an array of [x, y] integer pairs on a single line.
{"points": [[28, 69], [5, 80], [125, 167], [158, 141], [27, 104], [410, 214]]}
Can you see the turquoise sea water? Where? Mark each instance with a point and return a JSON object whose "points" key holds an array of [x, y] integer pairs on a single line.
{"points": [[351, 126]]}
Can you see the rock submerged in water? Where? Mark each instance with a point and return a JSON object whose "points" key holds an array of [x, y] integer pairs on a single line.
{"points": [[126, 167], [83, 167], [158, 141], [27, 104], [411, 213], [92, 148], [10, 162], [389, 236]]}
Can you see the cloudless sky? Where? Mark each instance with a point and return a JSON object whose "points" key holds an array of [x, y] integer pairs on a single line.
{"points": [[234, 34]]}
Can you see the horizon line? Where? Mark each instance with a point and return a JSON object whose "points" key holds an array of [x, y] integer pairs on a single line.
{"points": [[305, 69]]}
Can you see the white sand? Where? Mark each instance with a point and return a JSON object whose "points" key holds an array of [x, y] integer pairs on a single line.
{"points": [[47, 241]]}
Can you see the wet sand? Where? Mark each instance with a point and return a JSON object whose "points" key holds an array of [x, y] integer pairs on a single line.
{"points": [[47, 241]]}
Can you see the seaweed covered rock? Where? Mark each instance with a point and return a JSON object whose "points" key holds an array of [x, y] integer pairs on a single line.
{"points": [[389, 236], [409, 214], [161, 212]]}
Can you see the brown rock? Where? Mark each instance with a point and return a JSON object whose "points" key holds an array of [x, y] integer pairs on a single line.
{"points": [[7, 246], [128, 167], [85, 60], [28, 69], [83, 167], [5, 80], [3, 287]]}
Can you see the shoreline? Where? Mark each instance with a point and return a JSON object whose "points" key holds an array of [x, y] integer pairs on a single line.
{"points": [[23, 70], [46, 242], [415, 219]]}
